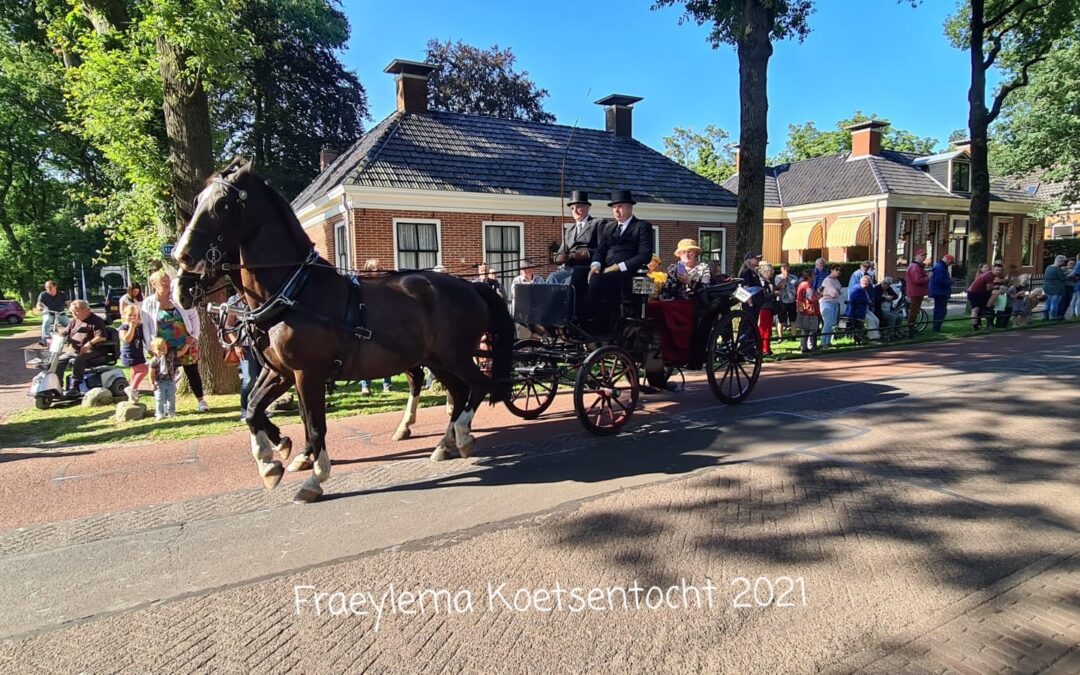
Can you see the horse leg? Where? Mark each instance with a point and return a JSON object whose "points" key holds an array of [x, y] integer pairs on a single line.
{"points": [[306, 459], [463, 425], [265, 436], [416, 381], [458, 393], [312, 392]]}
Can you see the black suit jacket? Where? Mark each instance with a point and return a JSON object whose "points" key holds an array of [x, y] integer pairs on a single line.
{"points": [[587, 239], [634, 247]]}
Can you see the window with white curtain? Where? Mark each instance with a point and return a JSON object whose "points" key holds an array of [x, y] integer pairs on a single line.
{"points": [[341, 247], [417, 245]]}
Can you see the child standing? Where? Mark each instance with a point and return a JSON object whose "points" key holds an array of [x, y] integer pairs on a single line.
{"points": [[132, 349], [163, 376]]}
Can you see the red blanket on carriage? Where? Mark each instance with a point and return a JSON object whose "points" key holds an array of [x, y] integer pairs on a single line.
{"points": [[676, 319]]}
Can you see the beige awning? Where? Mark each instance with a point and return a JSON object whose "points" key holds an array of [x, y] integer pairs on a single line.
{"points": [[803, 235], [849, 231]]}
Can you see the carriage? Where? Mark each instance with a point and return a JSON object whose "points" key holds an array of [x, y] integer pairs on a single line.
{"points": [[652, 344]]}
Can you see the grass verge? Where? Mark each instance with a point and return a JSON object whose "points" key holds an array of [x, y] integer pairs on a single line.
{"points": [[75, 425]]}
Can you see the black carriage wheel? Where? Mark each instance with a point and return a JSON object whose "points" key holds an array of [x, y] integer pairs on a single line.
{"points": [[606, 390], [733, 362], [530, 395]]}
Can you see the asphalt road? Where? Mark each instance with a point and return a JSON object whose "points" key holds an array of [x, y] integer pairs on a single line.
{"points": [[900, 511]]}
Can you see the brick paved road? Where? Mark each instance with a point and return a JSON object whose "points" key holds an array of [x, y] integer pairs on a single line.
{"points": [[931, 519]]}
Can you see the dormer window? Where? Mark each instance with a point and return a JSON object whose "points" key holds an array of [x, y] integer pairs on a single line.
{"points": [[961, 176]]}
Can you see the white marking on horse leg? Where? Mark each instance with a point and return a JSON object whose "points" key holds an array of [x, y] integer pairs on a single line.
{"points": [[300, 463], [263, 451], [322, 466], [407, 419], [463, 429]]}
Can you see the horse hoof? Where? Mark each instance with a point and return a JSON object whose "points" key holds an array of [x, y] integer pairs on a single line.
{"points": [[441, 454], [284, 448], [466, 449], [308, 494], [402, 434], [273, 476], [301, 463]]}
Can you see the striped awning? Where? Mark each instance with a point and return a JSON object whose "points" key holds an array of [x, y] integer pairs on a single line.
{"points": [[849, 231], [803, 235]]}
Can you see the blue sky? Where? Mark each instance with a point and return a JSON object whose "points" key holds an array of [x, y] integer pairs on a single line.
{"points": [[877, 56]]}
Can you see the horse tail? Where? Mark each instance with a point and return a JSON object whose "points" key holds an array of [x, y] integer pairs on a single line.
{"points": [[502, 332]]}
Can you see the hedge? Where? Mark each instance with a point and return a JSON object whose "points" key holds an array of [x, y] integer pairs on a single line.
{"points": [[1056, 247]]}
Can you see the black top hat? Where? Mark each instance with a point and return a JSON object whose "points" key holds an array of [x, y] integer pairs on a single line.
{"points": [[621, 197], [579, 197]]}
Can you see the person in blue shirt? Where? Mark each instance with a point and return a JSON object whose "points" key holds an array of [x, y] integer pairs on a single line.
{"points": [[941, 289], [859, 301], [856, 276]]}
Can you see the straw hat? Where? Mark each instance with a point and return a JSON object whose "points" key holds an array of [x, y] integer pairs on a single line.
{"points": [[687, 245]]}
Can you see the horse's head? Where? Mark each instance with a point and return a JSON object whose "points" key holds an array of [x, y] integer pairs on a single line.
{"points": [[217, 226]]}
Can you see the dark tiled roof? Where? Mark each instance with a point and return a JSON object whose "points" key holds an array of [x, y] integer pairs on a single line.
{"points": [[832, 177], [469, 153]]}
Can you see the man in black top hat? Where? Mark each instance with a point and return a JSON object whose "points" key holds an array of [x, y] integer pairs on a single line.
{"points": [[624, 245], [579, 239]]}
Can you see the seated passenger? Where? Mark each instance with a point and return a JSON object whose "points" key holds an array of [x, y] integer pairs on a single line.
{"points": [[689, 275]]}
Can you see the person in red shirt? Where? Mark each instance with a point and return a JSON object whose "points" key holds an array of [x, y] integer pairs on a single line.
{"points": [[917, 285], [978, 294], [806, 307]]}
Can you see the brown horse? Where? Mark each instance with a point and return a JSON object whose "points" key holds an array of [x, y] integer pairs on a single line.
{"points": [[312, 324]]}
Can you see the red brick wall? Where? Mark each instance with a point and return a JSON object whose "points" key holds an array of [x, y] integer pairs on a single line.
{"points": [[462, 236]]}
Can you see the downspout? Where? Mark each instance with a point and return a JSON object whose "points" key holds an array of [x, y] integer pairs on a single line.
{"points": [[347, 207]]}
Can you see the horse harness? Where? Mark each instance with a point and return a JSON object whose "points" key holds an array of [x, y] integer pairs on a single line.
{"points": [[252, 321]]}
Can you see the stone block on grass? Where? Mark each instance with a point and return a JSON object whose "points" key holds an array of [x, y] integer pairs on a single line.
{"points": [[97, 397], [129, 412]]}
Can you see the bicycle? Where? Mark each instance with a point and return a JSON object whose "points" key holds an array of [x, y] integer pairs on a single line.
{"points": [[902, 307]]}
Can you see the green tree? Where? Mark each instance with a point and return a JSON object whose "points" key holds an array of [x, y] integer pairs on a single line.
{"points": [[1012, 36], [751, 26], [1038, 132], [806, 140], [478, 81], [709, 153], [293, 95]]}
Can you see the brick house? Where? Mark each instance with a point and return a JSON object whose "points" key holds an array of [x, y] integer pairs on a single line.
{"points": [[425, 188], [882, 205]]}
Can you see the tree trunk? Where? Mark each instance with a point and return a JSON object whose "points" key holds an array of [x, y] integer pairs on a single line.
{"points": [[191, 161], [979, 213], [754, 49]]}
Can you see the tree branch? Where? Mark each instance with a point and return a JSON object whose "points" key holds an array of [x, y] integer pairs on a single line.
{"points": [[989, 60], [1017, 83], [988, 24]]}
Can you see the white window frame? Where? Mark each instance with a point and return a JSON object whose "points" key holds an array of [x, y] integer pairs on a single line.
{"points": [[521, 238], [952, 229], [1063, 231], [1030, 229], [346, 266], [656, 240], [419, 221], [933, 250], [1005, 221], [951, 163], [908, 244], [723, 238]]}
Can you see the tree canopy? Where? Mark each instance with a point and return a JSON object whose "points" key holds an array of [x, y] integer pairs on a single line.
{"points": [[806, 140], [1038, 133], [709, 153], [477, 81]]}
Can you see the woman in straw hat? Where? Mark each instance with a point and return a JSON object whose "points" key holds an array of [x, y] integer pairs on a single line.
{"points": [[689, 275]]}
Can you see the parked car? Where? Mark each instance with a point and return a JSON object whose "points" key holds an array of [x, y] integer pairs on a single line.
{"points": [[112, 304], [11, 311]]}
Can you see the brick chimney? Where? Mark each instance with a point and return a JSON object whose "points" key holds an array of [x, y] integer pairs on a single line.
{"points": [[618, 109], [962, 146], [412, 89], [735, 151], [326, 157], [866, 138]]}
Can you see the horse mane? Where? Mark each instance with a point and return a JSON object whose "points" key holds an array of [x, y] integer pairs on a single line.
{"points": [[284, 209]]}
